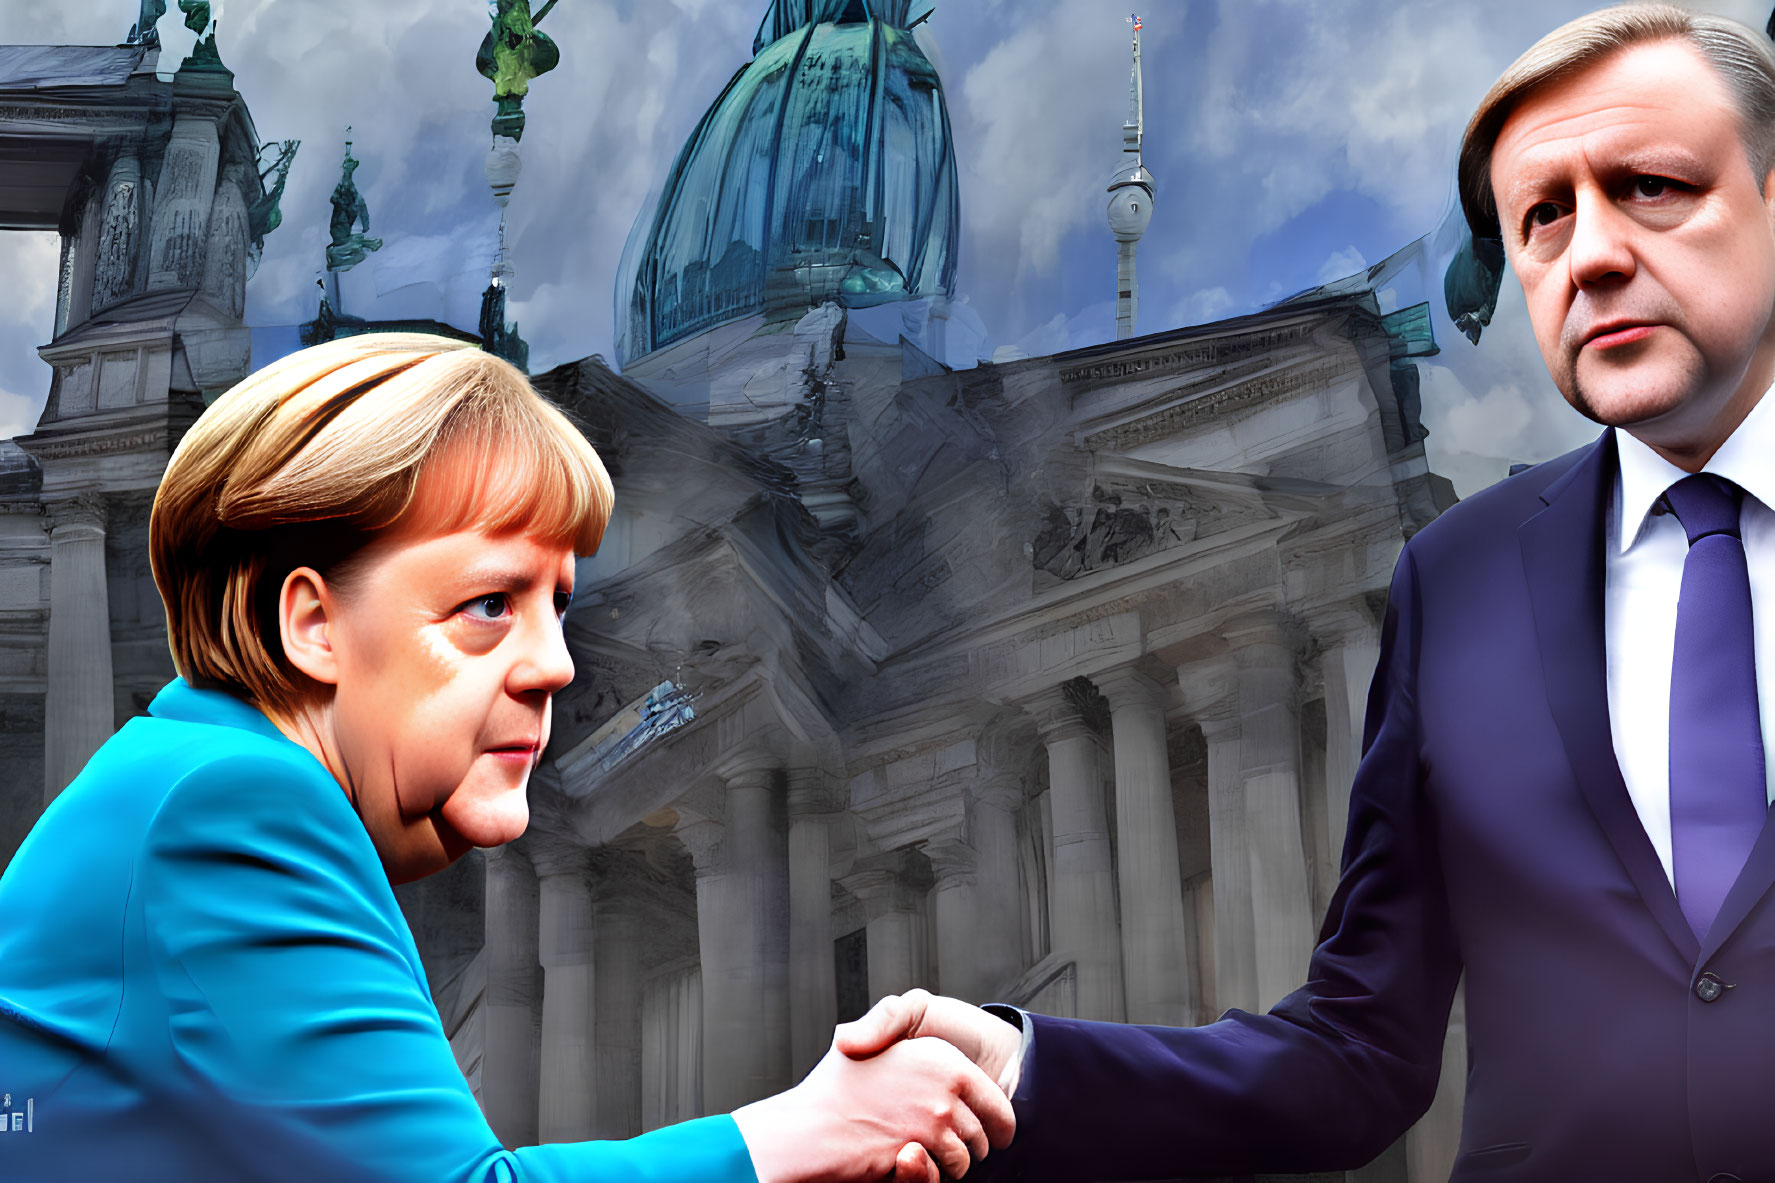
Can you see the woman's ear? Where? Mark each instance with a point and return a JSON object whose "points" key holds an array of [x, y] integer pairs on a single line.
{"points": [[305, 618]]}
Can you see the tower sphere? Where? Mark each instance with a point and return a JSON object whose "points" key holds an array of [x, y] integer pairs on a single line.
{"points": [[1131, 203]]}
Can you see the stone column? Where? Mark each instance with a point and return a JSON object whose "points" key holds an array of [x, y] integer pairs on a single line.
{"points": [[181, 224], [891, 896], [1082, 902], [79, 707], [813, 986], [114, 268], [1269, 767], [564, 945], [742, 893], [978, 900], [672, 1049], [1351, 651], [1235, 940], [511, 1032], [1155, 958], [616, 1015]]}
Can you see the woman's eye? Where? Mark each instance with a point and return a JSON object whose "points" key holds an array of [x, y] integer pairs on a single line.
{"points": [[562, 601], [1544, 214], [489, 607], [1651, 186]]}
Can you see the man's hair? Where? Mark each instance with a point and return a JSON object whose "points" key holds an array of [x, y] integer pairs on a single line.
{"points": [[309, 460], [1740, 56]]}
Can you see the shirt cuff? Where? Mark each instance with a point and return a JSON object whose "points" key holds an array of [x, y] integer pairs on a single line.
{"points": [[1018, 1018]]}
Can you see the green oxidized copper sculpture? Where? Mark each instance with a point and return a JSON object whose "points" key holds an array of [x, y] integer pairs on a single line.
{"points": [[147, 17], [512, 53], [197, 19], [1470, 285], [348, 248], [264, 216]]}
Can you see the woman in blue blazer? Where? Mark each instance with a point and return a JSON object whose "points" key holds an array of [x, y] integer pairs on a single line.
{"points": [[364, 551]]}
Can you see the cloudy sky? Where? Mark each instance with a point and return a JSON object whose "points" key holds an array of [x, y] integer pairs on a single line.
{"points": [[1294, 141]]}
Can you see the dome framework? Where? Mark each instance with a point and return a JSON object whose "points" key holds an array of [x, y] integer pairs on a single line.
{"points": [[824, 171]]}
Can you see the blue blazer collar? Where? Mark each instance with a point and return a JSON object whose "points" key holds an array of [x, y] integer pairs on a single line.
{"points": [[181, 701]]}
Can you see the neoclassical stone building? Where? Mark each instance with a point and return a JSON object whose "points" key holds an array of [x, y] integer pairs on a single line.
{"points": [[1039, 681], [157, 190]]}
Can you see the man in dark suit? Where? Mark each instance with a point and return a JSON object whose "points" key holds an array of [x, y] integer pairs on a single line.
{"points": [[1563, 789]]}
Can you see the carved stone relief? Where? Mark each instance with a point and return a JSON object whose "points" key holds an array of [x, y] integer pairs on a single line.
{"points": [[1121, 525], [225, 262], [114, 276], [182, 209]]}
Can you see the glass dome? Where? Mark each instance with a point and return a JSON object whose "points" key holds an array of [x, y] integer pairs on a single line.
{"points": [[824, 171]]}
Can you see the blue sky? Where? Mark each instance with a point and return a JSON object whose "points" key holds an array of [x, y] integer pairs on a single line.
{"points": [[1293, 141]]}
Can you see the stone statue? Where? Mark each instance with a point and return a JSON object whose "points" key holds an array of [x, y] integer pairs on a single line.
{"points": [[512, 53], [348, 249], [145, 33]]}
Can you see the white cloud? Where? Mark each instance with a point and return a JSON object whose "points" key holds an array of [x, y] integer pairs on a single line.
{"points": [[30, 261], [1517, 414], [1200, 307], [18, 414], [1340, 264]]}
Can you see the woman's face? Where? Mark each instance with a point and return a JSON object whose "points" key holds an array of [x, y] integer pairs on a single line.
{"points": [[444, 652]]}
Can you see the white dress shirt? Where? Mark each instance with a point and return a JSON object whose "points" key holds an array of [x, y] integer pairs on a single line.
{"points": [[1644, 573]]}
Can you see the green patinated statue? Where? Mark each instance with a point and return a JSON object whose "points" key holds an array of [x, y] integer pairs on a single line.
{"points": [[1470, 285], [147, 18], [197, 19], [348, 248], [264, 216], [512, 53]]}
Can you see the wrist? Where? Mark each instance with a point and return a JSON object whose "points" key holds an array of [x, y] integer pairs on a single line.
{"points": [[779, 1133]]}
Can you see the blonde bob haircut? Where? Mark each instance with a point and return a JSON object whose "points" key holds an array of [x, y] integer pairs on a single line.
{"points": [[1741, 57], [309, 460]]}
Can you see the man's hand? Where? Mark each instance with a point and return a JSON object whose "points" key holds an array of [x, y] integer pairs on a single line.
{"points": [[986, 1039], [863, 1118]]}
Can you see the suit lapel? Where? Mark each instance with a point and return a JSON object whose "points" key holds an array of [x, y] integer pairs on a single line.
{"points": [[1562, 555], [1752, 884]]}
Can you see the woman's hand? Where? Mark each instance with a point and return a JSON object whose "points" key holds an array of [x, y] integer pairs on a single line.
{"points": [[866, 1119]]}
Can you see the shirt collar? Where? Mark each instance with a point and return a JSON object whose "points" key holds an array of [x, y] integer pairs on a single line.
{"points": [[181, 701], [1645, 475]]}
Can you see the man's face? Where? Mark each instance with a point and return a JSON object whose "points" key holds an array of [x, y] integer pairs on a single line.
{"points": [[1644, 244], [449, 651]]}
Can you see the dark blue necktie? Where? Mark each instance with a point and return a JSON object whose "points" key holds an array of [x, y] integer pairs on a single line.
{"points": [[1718, 795]]}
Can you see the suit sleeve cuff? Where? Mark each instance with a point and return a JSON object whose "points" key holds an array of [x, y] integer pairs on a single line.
{"points": [[1018, 1018]]}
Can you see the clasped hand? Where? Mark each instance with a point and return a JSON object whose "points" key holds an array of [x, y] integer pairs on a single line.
{"points": [[917, 1089]]}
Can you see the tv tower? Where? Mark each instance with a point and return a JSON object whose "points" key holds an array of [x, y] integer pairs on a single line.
{"points": [[1130, 201]]}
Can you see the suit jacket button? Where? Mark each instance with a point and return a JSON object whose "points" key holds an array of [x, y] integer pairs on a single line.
{"points": [[1707, 989]]}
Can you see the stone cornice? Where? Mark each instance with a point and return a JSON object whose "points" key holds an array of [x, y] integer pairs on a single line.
{"points": [[1232, 402], [96, 444], [1184, 356]]}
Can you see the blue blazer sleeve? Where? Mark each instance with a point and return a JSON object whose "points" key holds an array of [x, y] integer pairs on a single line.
{"points": [[309, 1045], [1336, 1071]]}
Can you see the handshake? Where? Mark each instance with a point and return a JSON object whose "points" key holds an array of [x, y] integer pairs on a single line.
{"points": [[917, 1089]]}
